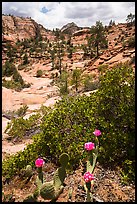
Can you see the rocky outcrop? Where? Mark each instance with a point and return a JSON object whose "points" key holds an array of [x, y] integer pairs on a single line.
{"points": [[69, 28], [128, 53], [19, 28], [120, 42], [81, 32]]}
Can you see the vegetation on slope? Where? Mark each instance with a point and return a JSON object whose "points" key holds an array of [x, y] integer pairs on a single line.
{"points": [[71, 123], [16, 82]]}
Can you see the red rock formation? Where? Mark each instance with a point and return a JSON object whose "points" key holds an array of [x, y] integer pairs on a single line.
{"points": [[19, 28], [14, 28]]}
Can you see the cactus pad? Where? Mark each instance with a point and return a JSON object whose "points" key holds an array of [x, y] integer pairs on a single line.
{"points": [[28, 171], [30, 198], [63, 159], [38, 182], [60, 173], [59, 177], [47, 190]]}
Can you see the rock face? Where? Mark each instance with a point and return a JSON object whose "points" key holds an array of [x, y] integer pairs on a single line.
{"points": [[120, 48], [81, 32], [69, 28], [80, 36], [19, 28]]}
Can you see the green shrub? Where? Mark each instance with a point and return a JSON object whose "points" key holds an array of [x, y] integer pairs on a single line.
{"points": [[65, 129], [71, 123], [89, 84], [20, 160], [69, 127], [62, 83], [116, 114], [131, 42], [22, 110], [76, 78], [11, 52], [18, 78], [39, 73], [8, 69], [63, 89], [19, 127], [12, 165], [17, 83], [103, 68], [12, 85]]}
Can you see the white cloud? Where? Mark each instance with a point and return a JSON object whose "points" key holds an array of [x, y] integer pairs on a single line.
{"points": [[81, 13]]}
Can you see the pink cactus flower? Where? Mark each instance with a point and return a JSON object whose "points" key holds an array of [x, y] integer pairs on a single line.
{"points": [[39, 162], [89, 146], [97, 132], [88, 177]]}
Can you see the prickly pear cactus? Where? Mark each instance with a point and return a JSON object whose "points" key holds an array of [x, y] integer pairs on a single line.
{"points": [[47, 190], [60, 173], [38, 183], [30, 198], [28, 171], [91, 162], [51, 190], [63, 159], [90, 168], [92, 157], [59, 177]]}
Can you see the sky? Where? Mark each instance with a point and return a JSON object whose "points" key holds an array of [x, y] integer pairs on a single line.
{"points": [[57, 14]]}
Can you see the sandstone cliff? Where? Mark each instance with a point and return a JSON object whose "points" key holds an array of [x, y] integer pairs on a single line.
{"points": [[120, 43], [19, 28], [69, 28]]}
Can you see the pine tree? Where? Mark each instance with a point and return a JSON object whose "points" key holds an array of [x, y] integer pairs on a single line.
{"points": [[98, 37], [130, 19], [76, 78]]}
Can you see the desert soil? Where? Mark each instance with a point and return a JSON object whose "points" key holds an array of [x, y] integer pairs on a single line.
{"points": [[107, 186]]}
